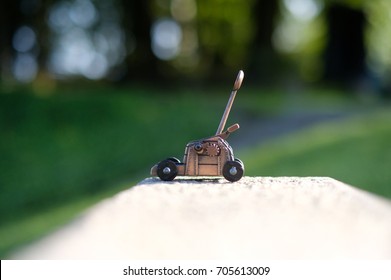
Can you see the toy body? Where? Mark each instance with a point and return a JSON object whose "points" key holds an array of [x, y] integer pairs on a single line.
{"points": [[211, 156]]}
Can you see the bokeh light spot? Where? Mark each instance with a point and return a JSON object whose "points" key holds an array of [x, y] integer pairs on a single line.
{"points": [[83, 13], [166, 38], [25, 67], [24, 39], [59, 19], [303, 9], [184, 10]]}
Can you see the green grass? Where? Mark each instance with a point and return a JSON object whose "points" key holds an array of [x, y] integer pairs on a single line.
{"points": [[57, 148], [356, 151]]}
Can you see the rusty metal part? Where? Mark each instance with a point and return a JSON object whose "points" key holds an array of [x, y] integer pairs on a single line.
{"points": [[230, 129]]}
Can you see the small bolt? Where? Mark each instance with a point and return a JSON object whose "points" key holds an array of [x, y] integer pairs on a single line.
{"points": [[198, 147], [233, 171], [166, 170]]}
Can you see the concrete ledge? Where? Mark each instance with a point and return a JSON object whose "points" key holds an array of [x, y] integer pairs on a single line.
{"points": [[257, 217]]}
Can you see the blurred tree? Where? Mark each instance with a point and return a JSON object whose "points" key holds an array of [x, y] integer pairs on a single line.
{"points": [[24, 38], [263, 59], [141, 64], [225, 30], [345, 51], [10, 18], [119, 39], [69, 37]]}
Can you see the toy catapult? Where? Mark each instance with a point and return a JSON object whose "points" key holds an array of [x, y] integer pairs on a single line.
{"points": [[208, 157]]}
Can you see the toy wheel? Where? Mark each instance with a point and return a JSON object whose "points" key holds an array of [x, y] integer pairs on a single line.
{"points": [[241, 162], [174, 159], [233, 171], [167, 170]]}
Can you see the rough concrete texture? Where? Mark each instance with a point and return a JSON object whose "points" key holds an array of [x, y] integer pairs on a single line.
{"points": [[257, 217]]}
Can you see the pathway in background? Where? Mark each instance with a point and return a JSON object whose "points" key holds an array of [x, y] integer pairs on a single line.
{"points": [[261, 130]]}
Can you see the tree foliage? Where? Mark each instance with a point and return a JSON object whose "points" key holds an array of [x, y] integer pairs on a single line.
{"points": [[160, 39]]}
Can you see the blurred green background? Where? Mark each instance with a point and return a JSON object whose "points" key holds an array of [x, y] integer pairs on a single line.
{"points": [[94, 92]]}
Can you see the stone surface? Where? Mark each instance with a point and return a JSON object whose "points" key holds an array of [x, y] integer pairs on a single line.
{"points": [[257, 217]]}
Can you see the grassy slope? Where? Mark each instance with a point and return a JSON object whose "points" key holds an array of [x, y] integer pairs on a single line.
{"points": [[65, 146], [356, 151]]}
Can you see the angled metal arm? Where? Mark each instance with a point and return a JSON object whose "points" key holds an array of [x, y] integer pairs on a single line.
{"points": [[237, 84]]}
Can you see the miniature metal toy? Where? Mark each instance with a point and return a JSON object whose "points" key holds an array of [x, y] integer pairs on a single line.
{"points": [[211, 156]]}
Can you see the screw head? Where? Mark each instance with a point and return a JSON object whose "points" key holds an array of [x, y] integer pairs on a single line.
{"points": [[166, 170], [233, 171], [198, 147]]}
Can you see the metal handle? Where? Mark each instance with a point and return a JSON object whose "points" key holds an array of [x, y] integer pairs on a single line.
{"points": [[239, 80], [237, 84]]}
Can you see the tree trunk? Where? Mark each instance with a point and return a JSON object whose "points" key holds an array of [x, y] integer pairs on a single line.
{"points": [[10, 19], [142, 64], [344, 55], [264, 64]]}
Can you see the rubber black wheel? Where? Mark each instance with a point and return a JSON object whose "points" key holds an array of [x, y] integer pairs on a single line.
{"points": [[233, 171], [174, 159], [241, 162], [167, 170]]}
